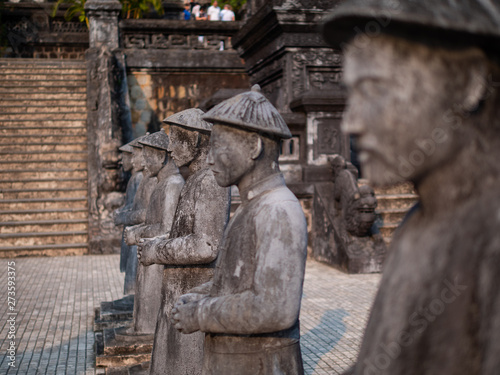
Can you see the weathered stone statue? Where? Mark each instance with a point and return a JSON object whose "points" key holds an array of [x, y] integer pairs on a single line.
{"points": [[250, 310], [127, 155], [357, 248], [159, 218], [137, 213], [190, 249], [424, 103]]}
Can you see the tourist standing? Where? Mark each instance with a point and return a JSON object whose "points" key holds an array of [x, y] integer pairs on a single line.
{"points": [[214, 12], [187, 13], [227, 13]]}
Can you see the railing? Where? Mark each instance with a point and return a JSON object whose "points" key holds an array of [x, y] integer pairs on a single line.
{"points": [[177, 34]]}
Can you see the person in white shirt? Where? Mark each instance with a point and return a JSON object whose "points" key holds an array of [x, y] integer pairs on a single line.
{"points": [[227, 13], [214, 12]]}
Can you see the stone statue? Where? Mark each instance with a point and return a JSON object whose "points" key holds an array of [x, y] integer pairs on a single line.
{"points": [[353, 218], [159, 218], [190, 249], [127, 157], [249, 311], [424, 104], [137, 213]]}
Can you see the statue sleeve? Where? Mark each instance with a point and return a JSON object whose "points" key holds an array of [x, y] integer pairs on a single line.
{"points": [[273, 302], [210, 218], [489, 279]]}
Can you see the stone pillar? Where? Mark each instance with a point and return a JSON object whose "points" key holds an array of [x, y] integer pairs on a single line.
{"points": [[108, 122], [103, 23], [297, 72]]}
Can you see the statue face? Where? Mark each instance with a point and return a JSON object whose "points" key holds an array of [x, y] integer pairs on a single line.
{"points": [[182, 145], [126, 161], [137, 159], [230, 154], [400, 94], [154, 159]]}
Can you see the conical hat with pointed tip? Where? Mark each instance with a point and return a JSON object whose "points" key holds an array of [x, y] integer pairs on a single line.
{"points": [[135, 142], [126, 148], [190, 119], [157, 140], [475, 22], [252, 111]]}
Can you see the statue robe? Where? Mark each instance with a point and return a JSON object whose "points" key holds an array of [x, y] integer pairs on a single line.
{"points": [[136, 215], [159, 219], [132, 186], [250, 314], [188, 255], [438, 306]]}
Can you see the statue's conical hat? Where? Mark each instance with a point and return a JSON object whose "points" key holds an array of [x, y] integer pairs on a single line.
{"points": [[135, 142], [252, 111], [156, 140], [190, 119], [126, 148], [475, 22]]}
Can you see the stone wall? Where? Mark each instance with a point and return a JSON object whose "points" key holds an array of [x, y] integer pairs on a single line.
{"points": [[155, 95]]}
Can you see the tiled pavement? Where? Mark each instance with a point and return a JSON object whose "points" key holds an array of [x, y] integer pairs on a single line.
{"points": [[55, 300]]}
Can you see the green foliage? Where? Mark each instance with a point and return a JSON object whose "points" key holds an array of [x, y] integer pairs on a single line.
{"points": [[130, 9], [76, 9], [236, 4], [137, 8]]}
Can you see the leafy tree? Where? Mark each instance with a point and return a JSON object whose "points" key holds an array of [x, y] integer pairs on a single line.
{"points": [[130, 9], [236, 4]]}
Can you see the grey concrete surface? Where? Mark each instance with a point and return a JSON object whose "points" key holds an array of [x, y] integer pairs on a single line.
{"points": [[55, 300]]}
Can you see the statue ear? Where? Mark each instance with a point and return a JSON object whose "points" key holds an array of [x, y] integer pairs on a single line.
{"points": [[476, 89], [257, 146]]}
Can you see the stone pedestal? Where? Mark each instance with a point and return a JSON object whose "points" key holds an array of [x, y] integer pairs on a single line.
{"points": [[114, 314]]}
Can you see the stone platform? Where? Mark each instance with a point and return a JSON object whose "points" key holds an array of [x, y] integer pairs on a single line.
{"points": [[56, 300]]}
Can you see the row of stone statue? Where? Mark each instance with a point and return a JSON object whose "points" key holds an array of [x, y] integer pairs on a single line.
{"points": [[220, 299], [424, 104]]}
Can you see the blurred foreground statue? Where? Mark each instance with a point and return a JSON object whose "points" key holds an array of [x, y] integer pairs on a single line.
{"points": [[188, 252], [424, 102], [250, 310]]}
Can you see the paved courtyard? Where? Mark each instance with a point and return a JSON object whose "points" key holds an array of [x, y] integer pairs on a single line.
{"points": [[55, 300]]}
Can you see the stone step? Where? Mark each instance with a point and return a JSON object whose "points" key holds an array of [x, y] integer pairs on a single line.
{"points": [[44, 123], [61, 102], [404, 188], [42, 193], [6, 131], [27, 140], [77, 183], [46, 164], [52, 250], [42, 71], [43, 215], [47, 226], [387, 230], [43, 156], [42, 109], [36, 239], [43, 204], [32, 89], [396, 201], [37, 76], [43, 147], [81, 82], [24, 63], [29, 95], [393, 216], [43, 116], [42, 173]]}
